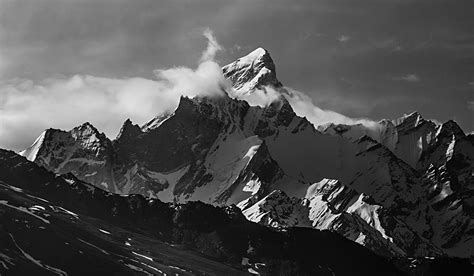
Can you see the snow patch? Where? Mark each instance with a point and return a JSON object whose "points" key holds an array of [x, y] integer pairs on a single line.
{"points": [[143, 256], [94, 246], [68, 212], [37, 208], [103, 231]]}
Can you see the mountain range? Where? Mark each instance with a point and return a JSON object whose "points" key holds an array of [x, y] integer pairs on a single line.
{"points": [[402, 188]]}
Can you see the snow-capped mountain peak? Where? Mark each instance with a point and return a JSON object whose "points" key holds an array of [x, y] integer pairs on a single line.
{"points": [[87, 130], [251, 72], [258, 55], [410, 120]]}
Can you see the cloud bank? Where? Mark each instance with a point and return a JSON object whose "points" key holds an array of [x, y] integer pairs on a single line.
{"points": [[303, 106], [27, 107]]}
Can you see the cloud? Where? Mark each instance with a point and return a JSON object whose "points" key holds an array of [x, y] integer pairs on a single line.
{"points": [[408, 78], [260, 97], [28, 107], [206, 80], [398, 48], [470, 105], [212, 46], [343, 38], [303, 106]]}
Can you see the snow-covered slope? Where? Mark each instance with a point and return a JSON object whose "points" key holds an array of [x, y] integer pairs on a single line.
{"points": [[401, 187], [330, 205]]}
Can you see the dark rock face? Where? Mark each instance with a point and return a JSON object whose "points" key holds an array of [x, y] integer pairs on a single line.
{"points": [[278, 114], [128, 132], [168, 146]]}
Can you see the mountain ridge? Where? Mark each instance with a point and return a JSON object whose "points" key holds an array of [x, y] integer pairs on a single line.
{"points": [[136, 234], [223, 151]]}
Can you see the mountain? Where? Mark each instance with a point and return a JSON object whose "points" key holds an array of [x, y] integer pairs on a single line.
{"points": [[57, 224], [82, 151], [402, 188], [254, 71], [442, 155]]}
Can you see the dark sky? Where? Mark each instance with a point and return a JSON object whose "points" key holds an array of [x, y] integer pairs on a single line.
{"points": [[367, 58]]}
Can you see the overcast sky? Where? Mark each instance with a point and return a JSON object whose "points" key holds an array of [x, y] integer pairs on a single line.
{"points": [[369, 58]]}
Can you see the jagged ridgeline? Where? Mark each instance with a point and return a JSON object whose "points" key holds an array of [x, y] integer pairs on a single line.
{"points": [[402, 188]]}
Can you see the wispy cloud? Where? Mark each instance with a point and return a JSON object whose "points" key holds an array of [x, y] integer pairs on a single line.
{"points": [[397, 48], [212, 46], [343, 38], [303, 106], [408, 78]]}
